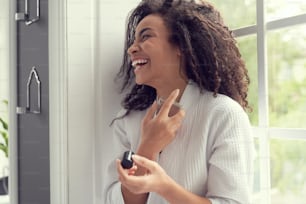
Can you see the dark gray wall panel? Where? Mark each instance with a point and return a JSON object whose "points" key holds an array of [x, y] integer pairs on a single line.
{"points": [[33, 130]]}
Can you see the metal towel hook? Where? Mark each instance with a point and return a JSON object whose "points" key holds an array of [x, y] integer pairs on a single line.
{"points": [[24, 110], [26, 16]]}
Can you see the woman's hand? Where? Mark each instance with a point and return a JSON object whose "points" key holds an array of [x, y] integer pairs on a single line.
{"points": [[158, 130], [155, 180]]}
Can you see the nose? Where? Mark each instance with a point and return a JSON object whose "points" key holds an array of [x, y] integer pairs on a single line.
{"points": [[133, 48]]}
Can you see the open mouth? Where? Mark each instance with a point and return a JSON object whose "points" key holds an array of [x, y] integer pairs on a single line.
{"points": [[139, 63]]}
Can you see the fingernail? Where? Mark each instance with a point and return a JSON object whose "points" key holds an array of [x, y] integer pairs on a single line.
{"points": [[176, 91], [134, 156]]}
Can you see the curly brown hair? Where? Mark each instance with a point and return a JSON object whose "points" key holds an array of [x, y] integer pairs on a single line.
{"points": [[210, 53]]}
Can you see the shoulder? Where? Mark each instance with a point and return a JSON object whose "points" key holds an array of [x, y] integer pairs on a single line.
{"points": [[229, 123], [220, 111], [209, 106], [221, 104], [209, 103]]}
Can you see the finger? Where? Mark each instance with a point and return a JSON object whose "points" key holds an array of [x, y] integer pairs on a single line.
{"points": [[179, 115], [136, 184], [123, 174], [151, 111], [165, 109], [132, 170], [130, 181], [144, 162]]}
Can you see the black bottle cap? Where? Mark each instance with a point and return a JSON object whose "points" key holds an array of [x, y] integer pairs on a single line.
{"points": [[127, 161]]}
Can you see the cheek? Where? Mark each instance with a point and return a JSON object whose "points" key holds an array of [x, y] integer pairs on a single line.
{"points": [[155, 53], [160, 54], [151, 49]]}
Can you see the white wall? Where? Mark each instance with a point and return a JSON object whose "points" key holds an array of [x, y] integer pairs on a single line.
{"points": [[95, 46], [4, 70], [111, 34], [81, 117]]}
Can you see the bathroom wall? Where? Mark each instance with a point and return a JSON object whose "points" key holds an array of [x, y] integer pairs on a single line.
{"points": [[95, 32], [4, 70], [111, 23], [81, 117]]}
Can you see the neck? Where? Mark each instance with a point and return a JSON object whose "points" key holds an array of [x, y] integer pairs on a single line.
{"points": [[165, 90]]}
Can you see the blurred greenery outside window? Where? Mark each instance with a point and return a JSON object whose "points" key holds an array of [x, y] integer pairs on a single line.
{"points": [[284, 8], [274, 51], [287, 77]]}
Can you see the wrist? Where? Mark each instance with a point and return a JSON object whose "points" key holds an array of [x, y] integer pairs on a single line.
{"points": [[167, 186], [146, 152]]}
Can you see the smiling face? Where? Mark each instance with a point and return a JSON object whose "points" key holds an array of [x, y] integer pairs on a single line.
{"points": [[155, 59]]}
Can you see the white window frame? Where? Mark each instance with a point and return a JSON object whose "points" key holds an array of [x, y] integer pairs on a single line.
{"points": [[13, 145], [263, 131]]}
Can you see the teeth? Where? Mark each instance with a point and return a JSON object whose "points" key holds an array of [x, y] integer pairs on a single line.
{"points": [[137, 62]]}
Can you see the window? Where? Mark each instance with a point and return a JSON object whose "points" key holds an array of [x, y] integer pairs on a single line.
{"points": [[287, 76], [271, 36], [234, 10], [284, 8]]}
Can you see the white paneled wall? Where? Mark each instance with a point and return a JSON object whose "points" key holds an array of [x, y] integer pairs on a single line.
{"points": [[80, 101], [4, 50], [111, 21], [4, 71], [110, 37], [95, 34]]}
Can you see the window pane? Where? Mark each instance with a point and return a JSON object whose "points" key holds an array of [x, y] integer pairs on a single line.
{"points": [[248, 46], [284, 8], [237, 13], [288, 171], [287, 77]]}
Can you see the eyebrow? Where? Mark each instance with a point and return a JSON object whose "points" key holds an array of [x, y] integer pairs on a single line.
{"points": [[143, 30]]}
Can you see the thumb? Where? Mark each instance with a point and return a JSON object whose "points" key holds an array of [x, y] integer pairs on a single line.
{"points": [[144, 162]]}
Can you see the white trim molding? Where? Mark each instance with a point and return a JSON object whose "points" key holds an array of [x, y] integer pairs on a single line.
{"points": [[285, 22], [58, 102], [13, 144]]}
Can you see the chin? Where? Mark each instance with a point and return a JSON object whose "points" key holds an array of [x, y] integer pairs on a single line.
{"points": [[139, 81], [143, 81]]}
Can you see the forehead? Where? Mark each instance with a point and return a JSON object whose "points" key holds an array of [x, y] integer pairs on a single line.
{"points": [[152, 21]]}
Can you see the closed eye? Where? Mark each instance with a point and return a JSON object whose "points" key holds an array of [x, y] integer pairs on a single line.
{"points": [[145, 36]]}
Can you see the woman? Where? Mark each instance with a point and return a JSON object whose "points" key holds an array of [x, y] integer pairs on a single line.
{"points": [[180, 52]]}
